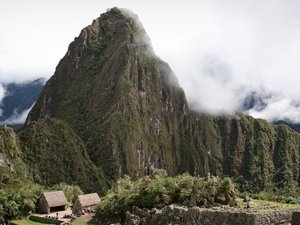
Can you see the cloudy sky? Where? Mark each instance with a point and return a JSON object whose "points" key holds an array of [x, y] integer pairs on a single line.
{"points": [[222, 52]]}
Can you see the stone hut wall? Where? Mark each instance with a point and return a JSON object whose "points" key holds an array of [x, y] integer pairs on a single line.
{"points": [[43, 205]]}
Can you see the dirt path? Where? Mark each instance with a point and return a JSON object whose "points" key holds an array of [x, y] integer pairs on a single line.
{"points": [[84, 219]]}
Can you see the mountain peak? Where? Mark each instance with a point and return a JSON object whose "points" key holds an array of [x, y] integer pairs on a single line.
{"points": [[118, 26], [109, 83]]}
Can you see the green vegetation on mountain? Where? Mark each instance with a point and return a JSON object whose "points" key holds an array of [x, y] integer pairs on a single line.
{"points": [[56, 154], [9, 143], [125, 106], [250, 149], [12, 167]]}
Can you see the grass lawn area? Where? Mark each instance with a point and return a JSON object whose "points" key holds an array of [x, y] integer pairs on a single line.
{"points": [[27, 222], [275, 204], [267, 206]]}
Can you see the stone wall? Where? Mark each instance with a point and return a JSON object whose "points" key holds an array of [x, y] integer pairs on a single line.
{"points": [[200, 216], [296, 218], [45, 220]]}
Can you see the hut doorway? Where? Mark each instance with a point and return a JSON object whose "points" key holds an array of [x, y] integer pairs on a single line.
{"points": [[57, 209]]}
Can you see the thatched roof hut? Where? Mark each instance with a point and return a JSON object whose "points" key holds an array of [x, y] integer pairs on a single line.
{"points": [[83, 202], [52, 202]]}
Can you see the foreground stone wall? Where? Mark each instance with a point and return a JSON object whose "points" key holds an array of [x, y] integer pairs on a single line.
{"points": [[296, 218], [277, 217], [199, 216], [45, 220]]}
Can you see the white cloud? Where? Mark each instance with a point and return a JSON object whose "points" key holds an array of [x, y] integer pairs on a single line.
{"points": [[2, 95], [17, 118], [257, 41], [282, 109], [2, 92]]}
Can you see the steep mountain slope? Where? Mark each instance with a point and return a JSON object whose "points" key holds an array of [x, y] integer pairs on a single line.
{"points": [[19, 98], [259, 152], [47, 152], [56, 154], [11, 164], [127, 107]]}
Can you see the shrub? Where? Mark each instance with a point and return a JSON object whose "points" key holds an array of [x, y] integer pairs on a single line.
{"points": [[158, 190]]}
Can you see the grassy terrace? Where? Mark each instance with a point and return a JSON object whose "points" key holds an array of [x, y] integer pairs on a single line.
{"points": [[257, 206]]}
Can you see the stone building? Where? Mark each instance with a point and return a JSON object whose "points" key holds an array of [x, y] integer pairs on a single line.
{"points": [[85, 203], [52, 202]]}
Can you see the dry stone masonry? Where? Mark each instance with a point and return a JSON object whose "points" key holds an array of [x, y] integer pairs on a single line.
{"points": [[265, 215]]}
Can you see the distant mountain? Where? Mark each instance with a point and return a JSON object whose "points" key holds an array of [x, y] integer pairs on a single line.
{"points": [[295, 126], [255, 100], [18, 100]]}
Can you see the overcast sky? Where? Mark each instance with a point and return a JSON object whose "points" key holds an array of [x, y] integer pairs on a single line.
{"points": [[220, 50]]}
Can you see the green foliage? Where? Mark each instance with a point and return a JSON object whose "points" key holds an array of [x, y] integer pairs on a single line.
{"points": [[158, 190], [19, 200], [96, 46], [56, 154], [9, 143]]}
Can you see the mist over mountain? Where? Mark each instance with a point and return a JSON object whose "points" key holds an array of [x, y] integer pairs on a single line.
{"points": [[263, 104], [17, 100]]}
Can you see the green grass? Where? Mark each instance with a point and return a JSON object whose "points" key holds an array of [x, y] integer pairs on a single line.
{"points": [[275, 204], [28, 222], [265, 206]]}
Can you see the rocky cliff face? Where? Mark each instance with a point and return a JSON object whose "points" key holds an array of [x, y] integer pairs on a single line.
{"points": [[127, 108]]}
